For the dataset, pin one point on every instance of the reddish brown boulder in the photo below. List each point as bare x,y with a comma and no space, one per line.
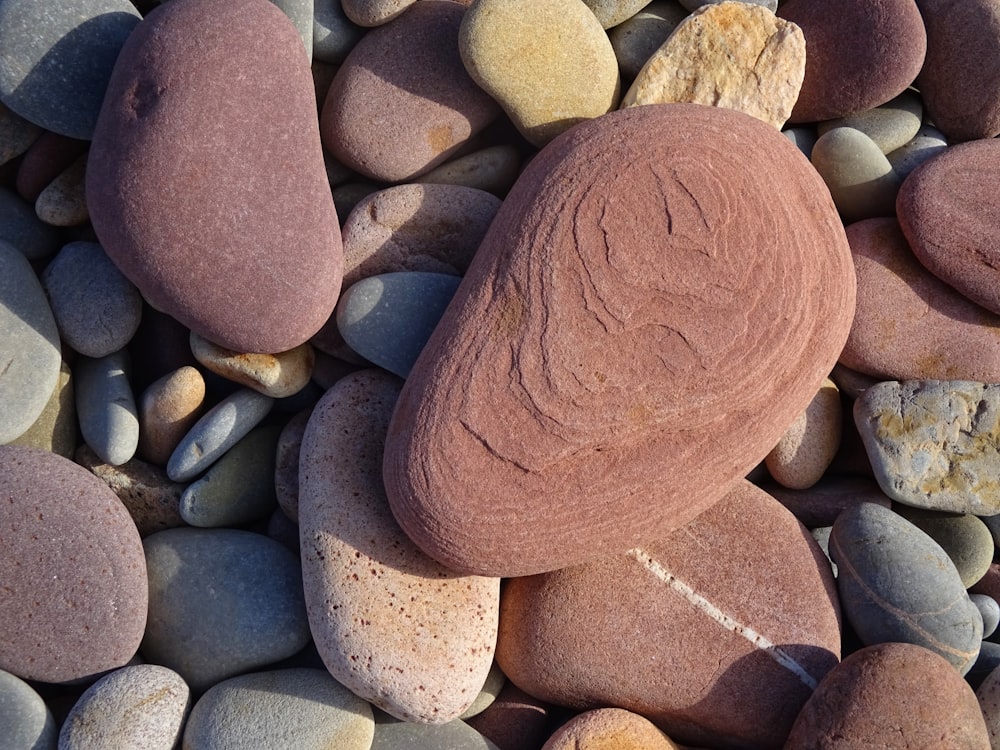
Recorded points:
643,320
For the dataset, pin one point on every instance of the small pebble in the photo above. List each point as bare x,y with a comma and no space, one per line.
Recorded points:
20,227
334,34
105,406
276,375
810,443
858,174
63,202
635,40
493,169
611,728
374,12
168,408
610,13
16,135
495,681
928,143
515,720
965,539
989,660
890,126
27,722
286,463
56,428
989,608
48,157
693,5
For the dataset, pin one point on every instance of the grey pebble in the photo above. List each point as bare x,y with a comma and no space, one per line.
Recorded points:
610,13
636,39
860,179
63,202
989,608
25,721
890,125
804,138
24,230
392,734
926,144
334,34
105,406
965,538
300,13
16,134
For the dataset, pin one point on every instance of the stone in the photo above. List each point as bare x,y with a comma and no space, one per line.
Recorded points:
988,697
965,539
105,406
879,697
804,138
75,590
221,602
392,734
276,375
820,504
806,450
989,659
576,403
862,53
960,78
610,13
989,608
908,324
160,346
858,174
934,444
636,39
286,463
16,135
63,202
890,126
951,219
897,584
29,340
334,35
58,58
21,228
732,54
137,706
548,63
407,76
300,13
96,308
55,430
49,156
515,720
374,12
266,709
561,632
989,584
495,681
394,626
493,169
609,728
267,246
928,143
692,5
168,408
26,720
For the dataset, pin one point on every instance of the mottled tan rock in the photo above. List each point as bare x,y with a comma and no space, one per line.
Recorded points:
168,408
608,729
374,12
275,375
63,203
731,54
493,169
809,444
56,428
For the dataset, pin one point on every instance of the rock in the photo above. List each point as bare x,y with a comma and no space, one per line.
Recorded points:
561,632
160,346
493,169
16,135
880,697
732,54
286,463
566,404
804,139
928,143
495,681
692,5
897,584
168,408
989,608
909,324
610,13
267,248
143,705
394,626
221,602
965,539
609,727
300,13
547,62
820,504
58,58
75,587
392,734
515,720
635,40
807,448
862,53
276,375
26,720
63,202
20,227
890,126
934,444
265,709
988,660
408,77
374,12
858,174
951,219
55,430
988,697
333,33
109,420
49,156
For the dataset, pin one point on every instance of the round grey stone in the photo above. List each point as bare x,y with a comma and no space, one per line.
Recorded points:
861,180
613,12
25,720
105,406
804,138
989,608
965,538
927,143
334,34
890,125
636,39
16,135
23,229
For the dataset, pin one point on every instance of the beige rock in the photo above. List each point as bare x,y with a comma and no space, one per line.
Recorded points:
609,729
55,429
167,409
275,375
64,202
809,444
731,54
492,169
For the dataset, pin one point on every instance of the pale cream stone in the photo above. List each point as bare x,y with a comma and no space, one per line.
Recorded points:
63,203
275,375
810,443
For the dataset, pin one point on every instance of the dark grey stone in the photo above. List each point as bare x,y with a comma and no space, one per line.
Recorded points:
23,229
105,406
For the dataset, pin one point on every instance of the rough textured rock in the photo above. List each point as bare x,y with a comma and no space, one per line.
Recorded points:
577,403
988,696
808,447
561,632
610,728
374,12
244,251
275,375
16,135
732,54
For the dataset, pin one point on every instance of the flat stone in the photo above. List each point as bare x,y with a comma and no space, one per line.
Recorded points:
890,126
897,584
493,169
393,625
20,227
567,403
277,375
926,144
635,40
820,504
732,54
105,406
71,562
58,58
56,428
392,734
267,247
858,174
806,450
609,727
63,202
934,444
168,408
547,62
16,135
334,34
610,13
965,539
26,720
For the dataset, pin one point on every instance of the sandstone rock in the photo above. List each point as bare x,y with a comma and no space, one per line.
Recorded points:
168,408
609,728
807,448
277,375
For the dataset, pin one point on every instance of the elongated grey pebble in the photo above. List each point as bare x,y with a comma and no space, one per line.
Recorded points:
16,134
105,406
25,720
965,539
63,202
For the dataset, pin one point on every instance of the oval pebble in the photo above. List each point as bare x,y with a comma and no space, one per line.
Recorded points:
609,728
820,504
16,135
858,174
221,602
374,12
635,40
989,608
806,450
48,157
890,126
965,539
109,419
392,734
610,13
63,202
139,707
334,34
27,722
493,169
926,144
277,375
515,720
168,408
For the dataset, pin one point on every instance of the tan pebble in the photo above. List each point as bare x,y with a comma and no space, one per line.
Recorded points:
64,202
167,409
55,429
609,729
374,12
733,55
492,169
275,375
809,444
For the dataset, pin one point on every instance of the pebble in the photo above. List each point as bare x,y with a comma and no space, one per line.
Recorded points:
75,588
168,408
140,707
16,135
63,202
300,13
495,681
548,401
374,12
96,308
965,539
928,143
610,13
221,602
989,608
267,709
804,139
276,375
693,5
732,54
820,504
407,76
269,276
58,59
55,429
561,632
890,126
20,227
394,626
392,734
928,607
26,720
609,728
933,444
636,39
878,697
334,35
858,174
515,720
548,63
988,697
105,406
49,156
989,659
806,450
286,463
493,169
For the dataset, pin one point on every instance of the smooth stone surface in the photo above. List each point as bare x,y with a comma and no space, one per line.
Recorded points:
635,40
73,572
374,12
267,246
548,63
890,126
63,202
55,430
858,174
20,227
549,405
732,54
928,143
406,76
168,408
610,728
950,216
269,709
988,697
300,13
934,444
27,722
610,13
29,340
277,375
989,659
908,324
16,135
808,447
861,53
495,681
142,706
897,584
392,734
515,720
286,463
334,35
96,308
965,539
221,602
693,5
493,169
58,58
989,608
820,504
561,632
105,406
880,697
218,430
393,625
804,139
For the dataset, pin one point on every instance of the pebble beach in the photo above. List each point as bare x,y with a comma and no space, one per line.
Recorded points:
499,374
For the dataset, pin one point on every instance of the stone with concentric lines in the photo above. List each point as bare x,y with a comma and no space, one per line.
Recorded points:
690,288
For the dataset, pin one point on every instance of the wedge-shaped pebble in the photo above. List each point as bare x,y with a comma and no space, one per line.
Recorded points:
275,375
